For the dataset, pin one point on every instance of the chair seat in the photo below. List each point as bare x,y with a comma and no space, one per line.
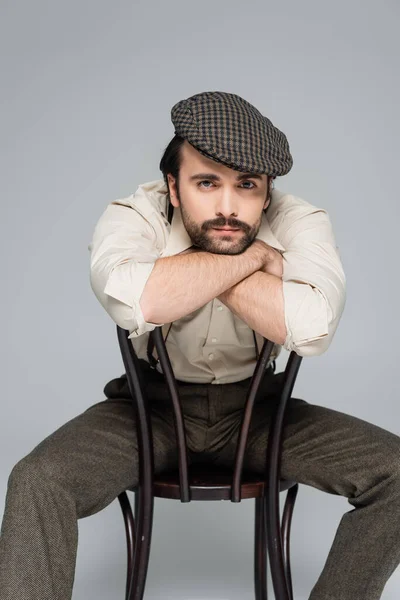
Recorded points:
208,482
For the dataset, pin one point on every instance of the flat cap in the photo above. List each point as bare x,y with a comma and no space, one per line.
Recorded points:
228,129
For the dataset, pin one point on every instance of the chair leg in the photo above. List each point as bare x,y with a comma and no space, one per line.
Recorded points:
260,551
136,513
144,507
130,535
286,523
274,537
138,540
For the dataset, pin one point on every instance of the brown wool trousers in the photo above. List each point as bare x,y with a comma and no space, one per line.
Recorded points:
82,467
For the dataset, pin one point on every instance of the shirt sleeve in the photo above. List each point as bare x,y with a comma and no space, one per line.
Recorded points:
314,283
123,250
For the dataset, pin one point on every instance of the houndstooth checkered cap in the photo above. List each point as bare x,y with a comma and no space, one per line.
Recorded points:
228,129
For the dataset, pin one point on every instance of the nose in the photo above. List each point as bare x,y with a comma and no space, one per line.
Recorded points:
226,206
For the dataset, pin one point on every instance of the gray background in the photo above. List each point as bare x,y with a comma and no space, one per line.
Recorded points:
87,89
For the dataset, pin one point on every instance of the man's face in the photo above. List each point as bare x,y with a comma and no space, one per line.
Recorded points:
210,196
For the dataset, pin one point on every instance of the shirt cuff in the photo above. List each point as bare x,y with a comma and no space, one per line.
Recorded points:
121,287
306,318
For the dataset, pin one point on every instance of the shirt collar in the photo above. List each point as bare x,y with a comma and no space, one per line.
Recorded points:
179,239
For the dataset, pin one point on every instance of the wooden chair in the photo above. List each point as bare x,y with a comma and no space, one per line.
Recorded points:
210,483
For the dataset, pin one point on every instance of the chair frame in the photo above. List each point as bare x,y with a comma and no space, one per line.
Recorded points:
272,537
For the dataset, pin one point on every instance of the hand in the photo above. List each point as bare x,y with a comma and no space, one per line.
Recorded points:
271,260
273,263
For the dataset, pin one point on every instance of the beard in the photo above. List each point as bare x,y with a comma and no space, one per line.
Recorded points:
204,237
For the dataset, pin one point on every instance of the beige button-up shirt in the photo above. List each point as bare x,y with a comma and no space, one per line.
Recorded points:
213,345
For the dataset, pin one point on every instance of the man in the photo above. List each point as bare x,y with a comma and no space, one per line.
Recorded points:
240,261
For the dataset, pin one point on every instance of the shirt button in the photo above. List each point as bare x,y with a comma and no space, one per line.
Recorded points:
219,307
214,339
211,356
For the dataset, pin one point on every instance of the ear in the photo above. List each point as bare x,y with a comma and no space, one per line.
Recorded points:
270,184
172,190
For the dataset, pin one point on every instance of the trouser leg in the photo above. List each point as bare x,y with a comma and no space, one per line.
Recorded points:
73,473
344,455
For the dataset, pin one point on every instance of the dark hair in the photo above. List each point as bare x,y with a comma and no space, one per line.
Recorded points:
171,161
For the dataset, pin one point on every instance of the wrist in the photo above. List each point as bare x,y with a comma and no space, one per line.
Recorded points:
273,263
258,251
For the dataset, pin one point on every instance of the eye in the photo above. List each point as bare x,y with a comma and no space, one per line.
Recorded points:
248,181
204,181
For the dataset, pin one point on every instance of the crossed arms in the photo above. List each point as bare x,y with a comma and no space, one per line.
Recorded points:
249,284
139,289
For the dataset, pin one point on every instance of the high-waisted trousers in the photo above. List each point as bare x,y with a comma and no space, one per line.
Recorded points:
84,465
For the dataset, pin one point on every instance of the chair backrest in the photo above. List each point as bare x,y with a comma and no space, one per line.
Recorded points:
144,431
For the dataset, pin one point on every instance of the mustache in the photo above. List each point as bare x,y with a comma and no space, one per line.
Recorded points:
229,224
